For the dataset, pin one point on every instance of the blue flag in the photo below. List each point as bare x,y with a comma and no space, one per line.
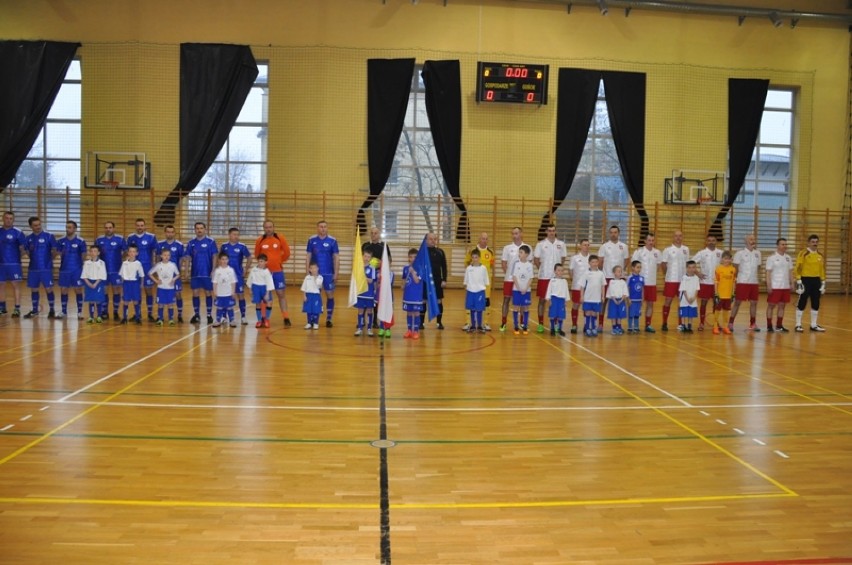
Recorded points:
424,270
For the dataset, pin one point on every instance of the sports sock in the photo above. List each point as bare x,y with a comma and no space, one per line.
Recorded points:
196,305
63,300
208,301
329,306
50,299
35,298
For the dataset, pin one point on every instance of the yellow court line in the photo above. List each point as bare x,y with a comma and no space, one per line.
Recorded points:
675,421
768,383
63,344
106,400
393,506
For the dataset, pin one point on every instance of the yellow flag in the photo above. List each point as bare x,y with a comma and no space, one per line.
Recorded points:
358,282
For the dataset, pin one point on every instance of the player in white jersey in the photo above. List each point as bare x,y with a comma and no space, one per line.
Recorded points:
674,260
507,261
612,253
747,262
548,253
707,260
578,265
594,290
779,282
650,257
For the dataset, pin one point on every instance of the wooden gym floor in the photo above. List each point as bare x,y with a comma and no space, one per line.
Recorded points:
125,444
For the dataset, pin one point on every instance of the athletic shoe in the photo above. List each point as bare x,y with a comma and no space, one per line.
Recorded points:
151,318
486,327
416,335
731,328
466,327
587,333
681,328
369,332
90,321
124,321
470,330
727,331
594,333
209,319
31,314
51,314
99,320
440,326
650,330
769,329
358,332
664,328
716,330
316,327
16,313
782,329
195,320
701,327
260,325
573,329
171,323
817,328
387,334
217,323
59,316
540,328
798,329
3,311
79,315
288,323
525,330
407,334
266,324
328,324
503,328
482,330
243,321
381,332
233,324
753,328
614,331
159,323
308,326
138,320
560,333
553,331
517,330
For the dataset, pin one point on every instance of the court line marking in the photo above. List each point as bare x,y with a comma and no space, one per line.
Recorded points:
61,345
393,506
764,381
294,407
60,427
669,417
128,366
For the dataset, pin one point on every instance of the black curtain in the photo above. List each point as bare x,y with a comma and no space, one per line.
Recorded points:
215,80
443,106
578,93
746,100
625,100
388,86
31,73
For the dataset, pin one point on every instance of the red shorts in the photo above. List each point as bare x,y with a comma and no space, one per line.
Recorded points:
671,289
575,297
779,296
747,291
541,288
507,288
724,304
649,293
706,291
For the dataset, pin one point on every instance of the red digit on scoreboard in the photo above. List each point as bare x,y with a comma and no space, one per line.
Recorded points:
530,96
489,95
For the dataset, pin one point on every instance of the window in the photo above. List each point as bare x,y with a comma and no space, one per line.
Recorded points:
767,183
598,180
53,162
416,176
237,178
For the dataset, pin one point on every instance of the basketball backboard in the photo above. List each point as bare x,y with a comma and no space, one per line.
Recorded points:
131,170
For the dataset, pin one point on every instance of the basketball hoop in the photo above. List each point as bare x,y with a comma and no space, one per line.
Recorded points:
110,185
704,200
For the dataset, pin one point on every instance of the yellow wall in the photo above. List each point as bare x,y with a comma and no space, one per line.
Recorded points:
317,50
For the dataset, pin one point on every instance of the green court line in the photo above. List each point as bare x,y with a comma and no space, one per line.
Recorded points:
419,441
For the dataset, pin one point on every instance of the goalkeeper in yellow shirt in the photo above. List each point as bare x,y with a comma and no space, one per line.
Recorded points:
810,282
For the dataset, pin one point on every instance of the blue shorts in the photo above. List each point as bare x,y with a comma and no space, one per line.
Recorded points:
616,311
114,279
40,278
178,286
201,283
313,304
328,282
131,291
11,272
70,279
592,307
363,302
94,294
413,307
557,308
225,302
240,287
258,293
635,309
521,298
278,279
474,301
165,296
688,311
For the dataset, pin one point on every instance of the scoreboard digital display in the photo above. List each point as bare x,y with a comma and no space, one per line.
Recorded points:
511,82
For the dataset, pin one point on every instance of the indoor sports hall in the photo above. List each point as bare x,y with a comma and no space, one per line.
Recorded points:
477,122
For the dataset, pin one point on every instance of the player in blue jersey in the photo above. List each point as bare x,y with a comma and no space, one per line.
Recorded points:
201,252
239,259
72,255
41,247
176,254
147,245
636,292
412,296
322,249
112,247
13,244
